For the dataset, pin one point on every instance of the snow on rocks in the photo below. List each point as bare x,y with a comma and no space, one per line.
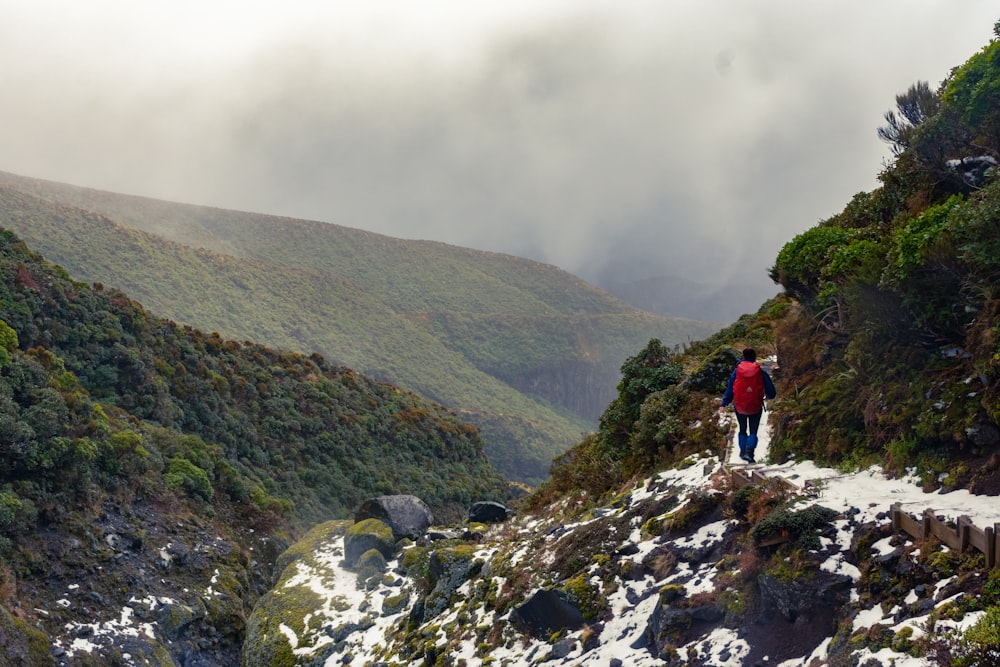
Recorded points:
654,565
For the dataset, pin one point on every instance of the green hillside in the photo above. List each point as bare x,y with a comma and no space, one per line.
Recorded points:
527,352
302,437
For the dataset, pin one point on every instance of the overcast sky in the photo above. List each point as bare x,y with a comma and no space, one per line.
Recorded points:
665,137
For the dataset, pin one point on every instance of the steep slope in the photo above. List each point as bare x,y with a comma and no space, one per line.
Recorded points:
527,352
893,341
245,299
150,474
612,563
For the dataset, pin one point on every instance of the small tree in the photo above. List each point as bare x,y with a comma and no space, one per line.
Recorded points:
652,370
913,107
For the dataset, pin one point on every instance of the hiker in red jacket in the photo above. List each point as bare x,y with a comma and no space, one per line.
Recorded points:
748,386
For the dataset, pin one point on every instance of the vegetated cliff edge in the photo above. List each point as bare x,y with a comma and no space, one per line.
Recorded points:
158,469
527,352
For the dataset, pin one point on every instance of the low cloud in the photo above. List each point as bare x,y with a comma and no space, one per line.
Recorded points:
618,141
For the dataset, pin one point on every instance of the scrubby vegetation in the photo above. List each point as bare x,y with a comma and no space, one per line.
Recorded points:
98,391
890,352
665,410
527,353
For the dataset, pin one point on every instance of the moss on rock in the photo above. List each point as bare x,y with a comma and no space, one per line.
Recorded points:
371,564
307,545
368,534
22,645
278,623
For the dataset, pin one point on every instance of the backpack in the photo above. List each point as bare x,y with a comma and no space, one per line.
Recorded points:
748,388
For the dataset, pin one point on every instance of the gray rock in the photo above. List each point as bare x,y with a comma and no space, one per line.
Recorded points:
407,516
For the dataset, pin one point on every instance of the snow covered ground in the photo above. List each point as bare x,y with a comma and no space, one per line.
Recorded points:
865,495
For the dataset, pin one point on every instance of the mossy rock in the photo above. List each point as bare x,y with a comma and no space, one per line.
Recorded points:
317,536
448,569
365,535
267,644
371,564
292,601
174,618
585,596
22,645
393,604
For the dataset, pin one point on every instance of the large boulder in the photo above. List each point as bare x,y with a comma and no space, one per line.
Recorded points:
407,516
487,511
798,598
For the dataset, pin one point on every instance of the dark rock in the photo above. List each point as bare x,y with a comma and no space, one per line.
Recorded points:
448,569
560,649
487,511
436,535
794,597
972,171
708,613
544,613
592,640
173,619
407,515
629,549
175,554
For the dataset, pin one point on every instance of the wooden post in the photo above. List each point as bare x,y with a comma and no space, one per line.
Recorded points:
964,528
991,545
928,517
895,511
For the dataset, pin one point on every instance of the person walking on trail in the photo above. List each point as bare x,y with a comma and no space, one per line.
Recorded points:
748,386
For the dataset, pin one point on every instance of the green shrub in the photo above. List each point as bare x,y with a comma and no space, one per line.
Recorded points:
10,505
800,263
801,526
182,474
980,644
8,343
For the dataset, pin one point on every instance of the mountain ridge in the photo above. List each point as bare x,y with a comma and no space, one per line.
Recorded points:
479,332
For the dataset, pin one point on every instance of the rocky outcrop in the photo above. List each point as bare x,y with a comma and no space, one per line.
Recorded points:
407,516
281,621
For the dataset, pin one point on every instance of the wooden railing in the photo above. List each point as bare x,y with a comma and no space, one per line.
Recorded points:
749,476
959,538
962,537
